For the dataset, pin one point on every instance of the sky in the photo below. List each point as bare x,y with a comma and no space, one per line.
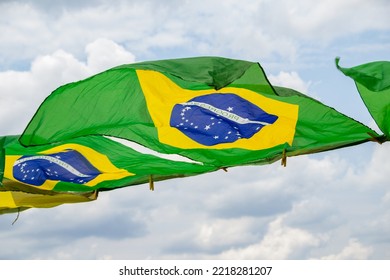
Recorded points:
331,205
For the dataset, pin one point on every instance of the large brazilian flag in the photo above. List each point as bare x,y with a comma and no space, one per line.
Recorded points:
213,110
157,120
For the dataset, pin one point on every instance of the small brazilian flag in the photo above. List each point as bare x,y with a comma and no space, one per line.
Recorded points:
89,163
74,171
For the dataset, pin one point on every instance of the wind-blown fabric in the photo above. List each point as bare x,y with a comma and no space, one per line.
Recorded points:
216,111
373,83
158,120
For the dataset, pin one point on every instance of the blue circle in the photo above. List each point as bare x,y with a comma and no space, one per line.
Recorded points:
219,118
68,166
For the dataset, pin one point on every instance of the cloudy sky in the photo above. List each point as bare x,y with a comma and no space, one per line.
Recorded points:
333,205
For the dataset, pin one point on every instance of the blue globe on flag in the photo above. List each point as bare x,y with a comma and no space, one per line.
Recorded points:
219,118
68,166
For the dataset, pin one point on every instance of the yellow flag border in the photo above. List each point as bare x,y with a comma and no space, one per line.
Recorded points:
162,94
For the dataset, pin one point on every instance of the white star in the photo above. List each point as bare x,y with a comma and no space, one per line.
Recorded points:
207,127
230,109
216,137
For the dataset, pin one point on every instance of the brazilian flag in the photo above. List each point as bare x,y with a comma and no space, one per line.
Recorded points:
74,171
90,163
217,111
158,120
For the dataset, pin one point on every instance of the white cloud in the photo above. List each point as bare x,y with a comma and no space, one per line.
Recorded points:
60,67
386,197
104,54
246,29
352,251
280,242
322,214
290,80
372,175
225,232
23,91
327,20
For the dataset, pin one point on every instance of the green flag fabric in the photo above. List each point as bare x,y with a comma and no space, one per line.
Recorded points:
90,163
97,162
152,121
217,111
112,102
74,171
373,83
